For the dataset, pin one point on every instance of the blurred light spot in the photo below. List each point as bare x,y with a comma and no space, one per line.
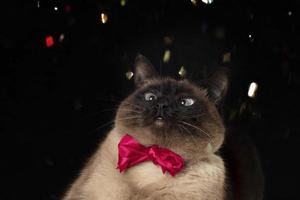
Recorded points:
77,104
55,8
38,4
129,75
123,2
251,16
251,38
194,2
252,90
61,37
243,107
182,72
67,8
104,18
220,33
207,1
290,13
49,41
49,162
167,56
168,40
227,57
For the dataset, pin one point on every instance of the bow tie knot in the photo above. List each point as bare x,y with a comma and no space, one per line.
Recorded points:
132,153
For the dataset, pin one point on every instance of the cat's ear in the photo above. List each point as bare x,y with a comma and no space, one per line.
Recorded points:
217,84
143,70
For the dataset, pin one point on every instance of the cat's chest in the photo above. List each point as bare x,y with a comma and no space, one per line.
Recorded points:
145,173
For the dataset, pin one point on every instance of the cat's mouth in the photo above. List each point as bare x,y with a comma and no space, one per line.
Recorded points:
159,122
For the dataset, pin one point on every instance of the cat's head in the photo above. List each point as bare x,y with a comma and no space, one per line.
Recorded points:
173,111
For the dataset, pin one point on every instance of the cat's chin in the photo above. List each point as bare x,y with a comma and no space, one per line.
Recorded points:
159,122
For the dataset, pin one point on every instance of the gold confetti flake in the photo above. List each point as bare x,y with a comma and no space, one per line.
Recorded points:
207,1
129,75
123,2
227,57
167,56
104,18
194,2
168,40
252,89
182,72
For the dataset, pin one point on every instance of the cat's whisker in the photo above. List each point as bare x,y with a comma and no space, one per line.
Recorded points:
117,107
126,109
130,110
105,124
119,102
125,118
113,121
193,138
111,110
193,116
136,106
186,123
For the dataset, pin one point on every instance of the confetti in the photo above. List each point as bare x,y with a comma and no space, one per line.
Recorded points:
252,89
49,41
168,40
67,8
194,2
61,37
182,72
220,33
104,18
207,1
251,38
123,2
167,56
129,75
226,57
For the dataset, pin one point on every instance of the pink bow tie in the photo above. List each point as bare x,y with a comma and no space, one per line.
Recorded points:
132,153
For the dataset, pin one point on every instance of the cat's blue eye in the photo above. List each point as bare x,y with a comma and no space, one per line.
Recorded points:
187,101
149,96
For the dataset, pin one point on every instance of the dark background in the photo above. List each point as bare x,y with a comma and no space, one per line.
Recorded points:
57,101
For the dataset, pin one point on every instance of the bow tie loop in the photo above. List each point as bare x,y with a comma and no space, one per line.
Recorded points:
132,153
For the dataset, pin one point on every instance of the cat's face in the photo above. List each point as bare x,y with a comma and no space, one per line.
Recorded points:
165,104
167,108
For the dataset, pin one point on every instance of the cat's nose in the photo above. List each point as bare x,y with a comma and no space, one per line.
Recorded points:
162,104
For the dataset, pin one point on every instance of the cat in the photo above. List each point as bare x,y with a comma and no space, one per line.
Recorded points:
175,114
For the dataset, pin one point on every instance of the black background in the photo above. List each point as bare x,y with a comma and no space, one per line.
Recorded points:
53,99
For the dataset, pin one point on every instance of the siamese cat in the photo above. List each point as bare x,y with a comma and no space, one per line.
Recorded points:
175,114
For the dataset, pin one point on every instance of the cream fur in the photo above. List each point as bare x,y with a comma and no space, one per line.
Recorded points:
100,180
